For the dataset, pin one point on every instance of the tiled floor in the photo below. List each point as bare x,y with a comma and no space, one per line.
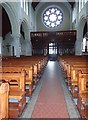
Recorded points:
53,100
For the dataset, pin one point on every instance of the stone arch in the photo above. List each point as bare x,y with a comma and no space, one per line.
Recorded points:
85,30
81,25
25,26
9,9
12,17
25,41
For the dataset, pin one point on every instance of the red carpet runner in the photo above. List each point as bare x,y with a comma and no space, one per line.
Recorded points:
51,102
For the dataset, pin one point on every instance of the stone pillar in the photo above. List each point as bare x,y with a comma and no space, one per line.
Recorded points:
28,48
77,13
0,46
17,45
78,47
28,43
71,19
30,11
87,25
80,5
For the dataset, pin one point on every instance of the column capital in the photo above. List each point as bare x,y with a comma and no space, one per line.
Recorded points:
16,36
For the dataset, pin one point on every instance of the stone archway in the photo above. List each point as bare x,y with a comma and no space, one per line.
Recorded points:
12,17
78,45
26,48
8,42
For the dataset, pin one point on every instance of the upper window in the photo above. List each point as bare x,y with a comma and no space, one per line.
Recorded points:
52,17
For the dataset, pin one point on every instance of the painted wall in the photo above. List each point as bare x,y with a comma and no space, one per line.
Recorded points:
65,25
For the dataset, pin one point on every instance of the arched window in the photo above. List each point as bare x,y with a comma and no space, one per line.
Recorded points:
52,17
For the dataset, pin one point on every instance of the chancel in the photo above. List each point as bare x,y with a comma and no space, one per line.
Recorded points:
44,59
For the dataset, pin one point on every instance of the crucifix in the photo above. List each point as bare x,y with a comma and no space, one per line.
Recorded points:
7,46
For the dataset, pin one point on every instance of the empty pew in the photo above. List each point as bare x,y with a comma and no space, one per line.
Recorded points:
17,100
70,63
74,78
31,75
33,66
83,94
4,95
18,69
76,72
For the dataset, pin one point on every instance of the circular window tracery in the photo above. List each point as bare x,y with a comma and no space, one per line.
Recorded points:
52,17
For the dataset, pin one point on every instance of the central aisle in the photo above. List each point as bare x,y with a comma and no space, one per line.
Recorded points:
51,101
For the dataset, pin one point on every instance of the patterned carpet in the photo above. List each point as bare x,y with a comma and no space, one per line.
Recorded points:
51,102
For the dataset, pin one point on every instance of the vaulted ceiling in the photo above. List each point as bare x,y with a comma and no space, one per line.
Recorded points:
36,2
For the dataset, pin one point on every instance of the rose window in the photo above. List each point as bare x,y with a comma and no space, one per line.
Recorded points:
52,17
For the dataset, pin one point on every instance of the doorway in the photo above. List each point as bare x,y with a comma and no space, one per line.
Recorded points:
53,51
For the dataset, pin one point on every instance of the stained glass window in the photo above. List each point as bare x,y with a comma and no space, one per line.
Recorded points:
52,17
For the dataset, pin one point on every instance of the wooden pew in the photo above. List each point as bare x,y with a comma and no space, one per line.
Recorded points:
15,92
31,75
33,69
74,78
4,90
83,94
79,80
71,63
18,69
13,66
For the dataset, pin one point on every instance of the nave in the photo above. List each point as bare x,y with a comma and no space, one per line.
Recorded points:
44,59
36,87
51,99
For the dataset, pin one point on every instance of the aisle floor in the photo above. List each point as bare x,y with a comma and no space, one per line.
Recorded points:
51,98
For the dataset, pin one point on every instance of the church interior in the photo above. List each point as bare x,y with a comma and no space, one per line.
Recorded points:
44,59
